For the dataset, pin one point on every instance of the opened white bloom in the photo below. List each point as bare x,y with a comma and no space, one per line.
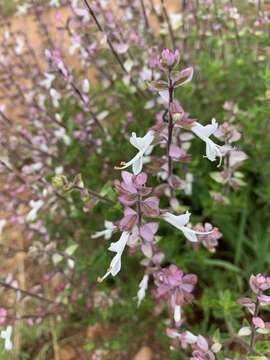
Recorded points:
204,132
86,86
188,184
107,232
118,247
61,134
35,205
56,96
22,9
244,331
180,222
143,285
177,313
47,82
55,3
6,335
143,144
19,45
3,223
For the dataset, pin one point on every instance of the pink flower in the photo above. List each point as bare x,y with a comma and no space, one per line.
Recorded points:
211,236
3,316
169,58
259,283
258,322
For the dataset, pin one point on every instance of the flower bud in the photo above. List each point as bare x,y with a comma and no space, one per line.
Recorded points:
169,58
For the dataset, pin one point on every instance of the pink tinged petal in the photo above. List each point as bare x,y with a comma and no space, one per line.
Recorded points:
236,157
264,299
129,187
150,206
183,76
3,316
127,177
140,179
121,48
148,231
258,322
127,222
173,334
147,250
202,343
126,201
175,151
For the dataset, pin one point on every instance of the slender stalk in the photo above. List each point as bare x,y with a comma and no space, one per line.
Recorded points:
144,15
139,210
95,194
253,328
117,57
170,127
26,293
168,21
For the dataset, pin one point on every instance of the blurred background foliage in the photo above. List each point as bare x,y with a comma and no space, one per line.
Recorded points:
242,80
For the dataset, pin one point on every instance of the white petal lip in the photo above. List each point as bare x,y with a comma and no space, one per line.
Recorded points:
204,133
6,335
107,232
142,144
142,289
179,221
118,247
177,313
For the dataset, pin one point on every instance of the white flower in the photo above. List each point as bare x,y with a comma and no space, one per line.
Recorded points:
19,45
204,132
22,9
177,313
188,184
85,86
143,285
62,135
56,96
35,205
107,232
54,3
6,335
143,144
3,223
117,247
179,221
47,82
244,331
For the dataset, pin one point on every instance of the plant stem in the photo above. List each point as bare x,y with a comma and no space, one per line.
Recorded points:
144,15
26,293
164,10
253,328
170,127
139,210
94,194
